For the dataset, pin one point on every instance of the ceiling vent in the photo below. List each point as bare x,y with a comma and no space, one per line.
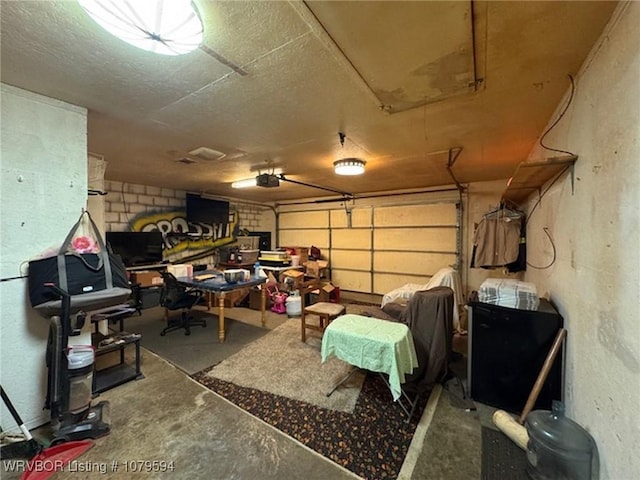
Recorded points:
208,154
186,160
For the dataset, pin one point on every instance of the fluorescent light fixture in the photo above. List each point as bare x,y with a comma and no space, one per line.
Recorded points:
349,166
167,27
246,183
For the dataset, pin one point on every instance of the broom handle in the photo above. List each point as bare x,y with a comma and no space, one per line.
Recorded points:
542,376
15,415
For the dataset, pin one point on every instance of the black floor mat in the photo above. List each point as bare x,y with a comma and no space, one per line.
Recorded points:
501,458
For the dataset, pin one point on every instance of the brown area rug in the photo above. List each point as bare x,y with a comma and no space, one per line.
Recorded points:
371,440
281,364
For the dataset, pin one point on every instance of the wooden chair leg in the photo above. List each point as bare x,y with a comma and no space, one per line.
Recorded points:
304,328
324,321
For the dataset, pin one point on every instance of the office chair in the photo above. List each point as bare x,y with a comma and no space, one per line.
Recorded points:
176,296
325,311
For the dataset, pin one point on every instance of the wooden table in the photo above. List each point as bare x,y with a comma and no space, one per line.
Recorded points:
217,287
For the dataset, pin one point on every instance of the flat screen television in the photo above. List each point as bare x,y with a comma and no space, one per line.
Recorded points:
136,248
205,210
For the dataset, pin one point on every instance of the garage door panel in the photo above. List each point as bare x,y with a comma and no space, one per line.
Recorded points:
415,239
319,219
358,260
384,247
353,281
414,263
433,214
384,283
301,237
360,217
351,238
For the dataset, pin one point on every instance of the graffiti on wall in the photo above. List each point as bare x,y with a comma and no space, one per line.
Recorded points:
183,238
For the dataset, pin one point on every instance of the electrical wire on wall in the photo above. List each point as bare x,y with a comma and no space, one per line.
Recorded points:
545,229
553,246
551,127
553,182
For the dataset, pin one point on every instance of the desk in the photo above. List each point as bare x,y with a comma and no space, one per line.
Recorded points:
217,287
373,344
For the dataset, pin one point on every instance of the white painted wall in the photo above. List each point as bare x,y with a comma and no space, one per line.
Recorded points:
43,188
595,280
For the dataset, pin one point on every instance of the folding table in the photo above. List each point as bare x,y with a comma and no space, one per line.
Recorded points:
373,344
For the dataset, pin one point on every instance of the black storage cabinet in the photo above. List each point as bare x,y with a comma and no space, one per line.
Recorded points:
507,348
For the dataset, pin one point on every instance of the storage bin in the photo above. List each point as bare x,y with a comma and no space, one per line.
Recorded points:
248,243
150,297
275,255
249,256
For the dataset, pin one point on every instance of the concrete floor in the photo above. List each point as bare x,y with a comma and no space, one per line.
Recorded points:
169,419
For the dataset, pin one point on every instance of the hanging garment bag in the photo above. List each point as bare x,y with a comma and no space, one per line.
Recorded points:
93,280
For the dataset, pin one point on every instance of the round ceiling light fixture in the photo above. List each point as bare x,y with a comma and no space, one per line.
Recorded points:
349,166
166,27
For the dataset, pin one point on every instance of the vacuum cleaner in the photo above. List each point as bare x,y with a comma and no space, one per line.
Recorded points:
70,380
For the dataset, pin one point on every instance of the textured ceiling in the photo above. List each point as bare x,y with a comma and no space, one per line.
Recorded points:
274,83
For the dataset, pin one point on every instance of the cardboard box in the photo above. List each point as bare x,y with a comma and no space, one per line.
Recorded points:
146,278
301,252
255,299
296,275
316,268
329,293
180,270
326,292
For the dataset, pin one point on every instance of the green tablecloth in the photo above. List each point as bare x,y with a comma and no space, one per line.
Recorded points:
373,344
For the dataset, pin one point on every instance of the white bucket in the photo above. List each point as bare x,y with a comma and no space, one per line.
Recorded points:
80,372
295,260
294,306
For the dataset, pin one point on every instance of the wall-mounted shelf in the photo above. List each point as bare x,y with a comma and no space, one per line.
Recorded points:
530,176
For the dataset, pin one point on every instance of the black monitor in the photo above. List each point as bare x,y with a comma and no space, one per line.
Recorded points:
136,248
205,210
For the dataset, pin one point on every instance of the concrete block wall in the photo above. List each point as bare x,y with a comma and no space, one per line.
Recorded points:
125,201
255,218
132,207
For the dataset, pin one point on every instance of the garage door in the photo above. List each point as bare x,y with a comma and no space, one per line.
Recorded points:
375,249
